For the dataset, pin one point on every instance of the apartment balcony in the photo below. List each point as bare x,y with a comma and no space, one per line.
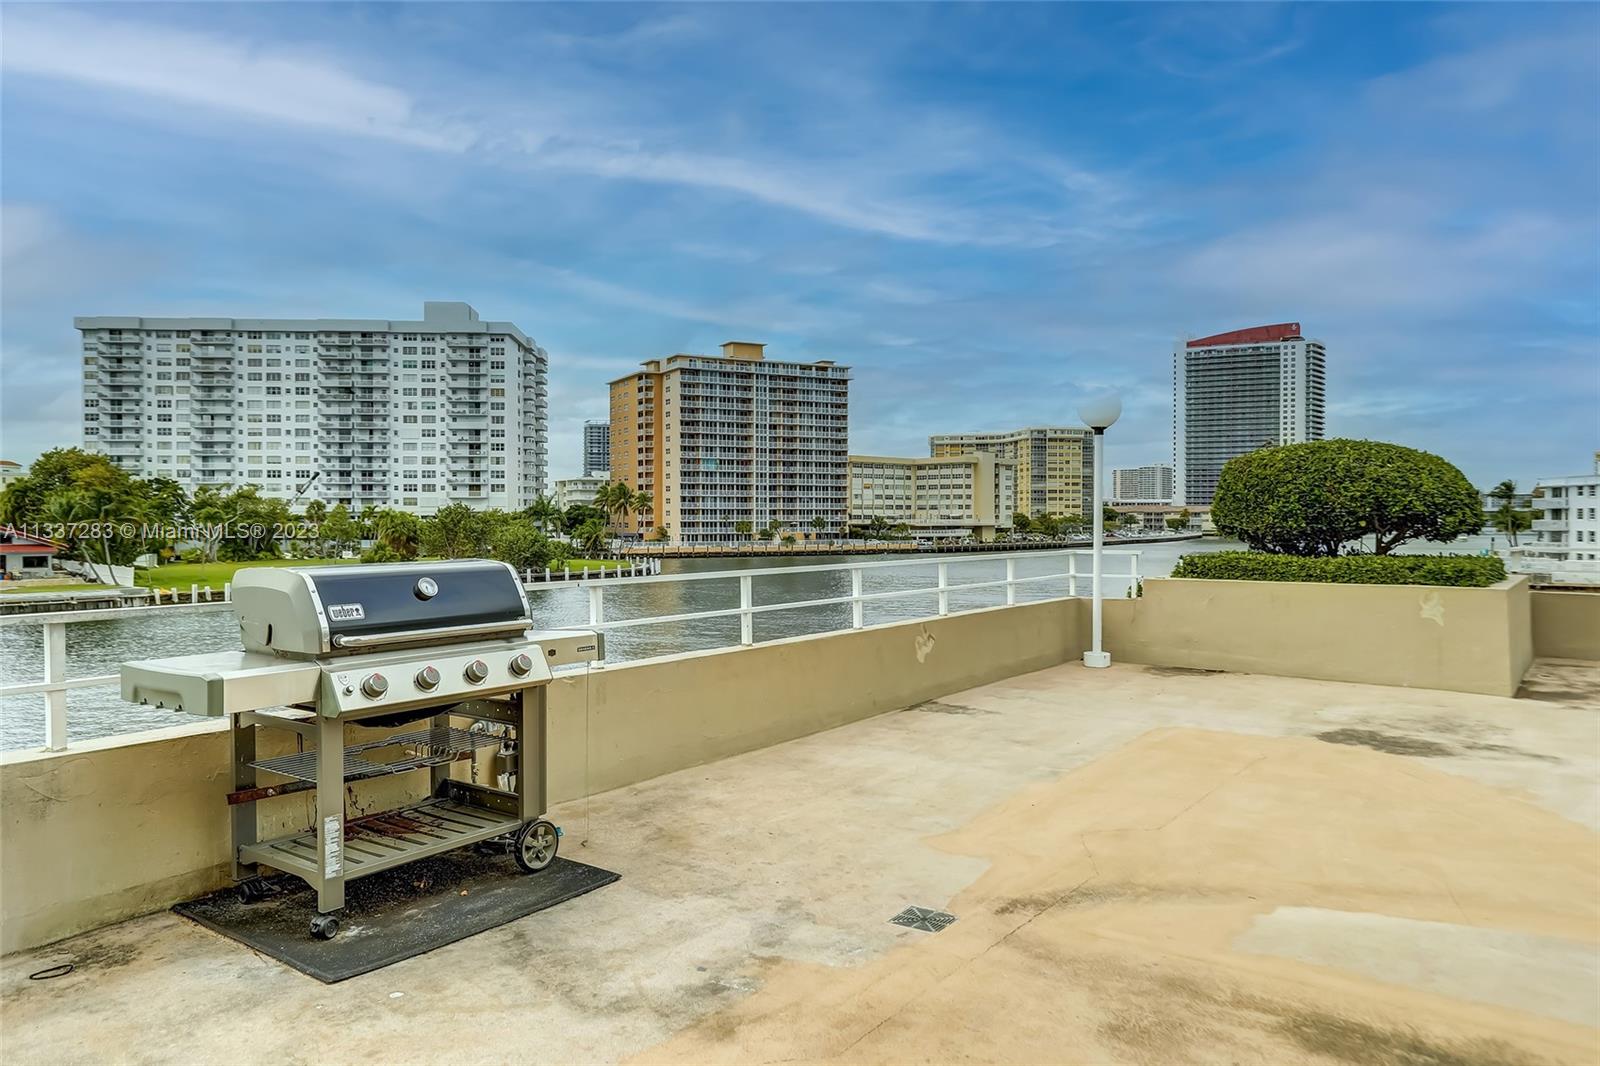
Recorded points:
1552,524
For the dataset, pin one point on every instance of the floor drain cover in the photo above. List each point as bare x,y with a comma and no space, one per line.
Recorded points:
923,919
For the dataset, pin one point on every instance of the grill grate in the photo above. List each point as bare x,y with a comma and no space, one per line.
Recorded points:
921,918
423,747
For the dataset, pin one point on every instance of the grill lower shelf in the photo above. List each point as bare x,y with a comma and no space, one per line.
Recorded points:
389,839
425,747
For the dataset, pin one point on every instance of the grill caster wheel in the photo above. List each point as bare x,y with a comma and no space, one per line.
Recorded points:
536,846
325,927
253,890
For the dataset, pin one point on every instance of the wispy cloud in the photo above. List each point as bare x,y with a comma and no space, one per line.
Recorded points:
273,84
299,86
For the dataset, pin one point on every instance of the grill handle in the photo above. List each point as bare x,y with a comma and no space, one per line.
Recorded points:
421,636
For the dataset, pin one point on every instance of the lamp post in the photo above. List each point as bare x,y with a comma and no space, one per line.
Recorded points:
1099,415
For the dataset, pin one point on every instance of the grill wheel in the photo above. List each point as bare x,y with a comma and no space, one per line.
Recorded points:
536,846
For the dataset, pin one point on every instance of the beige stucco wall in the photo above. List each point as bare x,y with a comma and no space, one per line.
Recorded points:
1566,625
115,828
1416,636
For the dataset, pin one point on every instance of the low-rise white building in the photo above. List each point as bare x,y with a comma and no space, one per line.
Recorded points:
937,497
1567,529
571,491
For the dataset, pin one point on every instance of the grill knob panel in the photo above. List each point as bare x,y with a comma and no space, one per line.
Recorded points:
476,671
427,679
373,686
520,665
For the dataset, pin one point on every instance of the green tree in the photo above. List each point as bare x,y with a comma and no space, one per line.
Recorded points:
591,536
616,500
1180,521
545,513
316,511
819,525
662,533
1315,498
517,542
1022,522
457,531
399,533
574,517
339,530
100,512
643,503
1506,517
744,529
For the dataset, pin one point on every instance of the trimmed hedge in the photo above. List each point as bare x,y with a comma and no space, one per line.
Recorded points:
1467,571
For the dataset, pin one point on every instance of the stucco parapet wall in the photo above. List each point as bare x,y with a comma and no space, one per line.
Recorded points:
1566,624
127,825
1415,636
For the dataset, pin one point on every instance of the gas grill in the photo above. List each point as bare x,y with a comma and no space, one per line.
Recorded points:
433,645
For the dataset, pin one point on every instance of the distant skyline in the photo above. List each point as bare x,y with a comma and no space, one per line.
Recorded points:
988,211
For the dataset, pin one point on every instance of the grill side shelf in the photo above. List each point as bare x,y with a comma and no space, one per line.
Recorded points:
420,748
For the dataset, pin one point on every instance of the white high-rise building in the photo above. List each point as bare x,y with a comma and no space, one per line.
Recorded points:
596,446
1235,392
1142,484
409,414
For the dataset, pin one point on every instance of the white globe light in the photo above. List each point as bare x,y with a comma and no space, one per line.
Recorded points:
1101,412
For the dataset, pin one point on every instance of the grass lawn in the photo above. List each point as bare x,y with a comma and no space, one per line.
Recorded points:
215,575
13,587
212,575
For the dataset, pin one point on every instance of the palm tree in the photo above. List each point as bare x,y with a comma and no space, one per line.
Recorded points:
744,529
591,536
616,500
544,513
819,524
643,503
1506,517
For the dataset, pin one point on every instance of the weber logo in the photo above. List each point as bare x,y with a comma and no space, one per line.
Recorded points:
346,612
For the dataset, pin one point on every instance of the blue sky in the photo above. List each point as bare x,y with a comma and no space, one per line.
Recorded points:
988,211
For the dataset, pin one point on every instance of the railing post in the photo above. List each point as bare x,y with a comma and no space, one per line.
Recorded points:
747,621
194,594
1072,573
1133,583
1011,582
597,610
857,620
944,584
227,592
55,672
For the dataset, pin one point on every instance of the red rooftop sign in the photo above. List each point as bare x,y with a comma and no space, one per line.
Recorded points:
1283,331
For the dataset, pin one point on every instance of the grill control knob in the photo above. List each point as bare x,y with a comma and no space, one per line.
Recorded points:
373,686
520,665
427,679
476,671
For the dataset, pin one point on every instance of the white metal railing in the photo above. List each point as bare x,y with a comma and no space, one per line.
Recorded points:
1119,581
1124,582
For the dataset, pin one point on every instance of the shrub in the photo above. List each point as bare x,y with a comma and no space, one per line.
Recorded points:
1314,498
1467,571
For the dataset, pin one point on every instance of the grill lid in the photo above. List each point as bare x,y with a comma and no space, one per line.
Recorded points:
322,610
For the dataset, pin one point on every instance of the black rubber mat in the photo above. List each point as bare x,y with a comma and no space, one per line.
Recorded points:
394,914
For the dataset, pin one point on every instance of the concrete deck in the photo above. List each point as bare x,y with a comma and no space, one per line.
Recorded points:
1148,866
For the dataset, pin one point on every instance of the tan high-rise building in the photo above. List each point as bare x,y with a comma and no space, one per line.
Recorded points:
956,496
1055,464
720,440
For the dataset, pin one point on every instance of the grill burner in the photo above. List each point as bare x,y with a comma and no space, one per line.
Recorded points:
379,645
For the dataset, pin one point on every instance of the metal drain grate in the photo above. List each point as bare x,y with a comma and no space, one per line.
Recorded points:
923,919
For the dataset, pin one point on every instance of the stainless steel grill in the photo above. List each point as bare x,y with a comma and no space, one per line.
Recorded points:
379,646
